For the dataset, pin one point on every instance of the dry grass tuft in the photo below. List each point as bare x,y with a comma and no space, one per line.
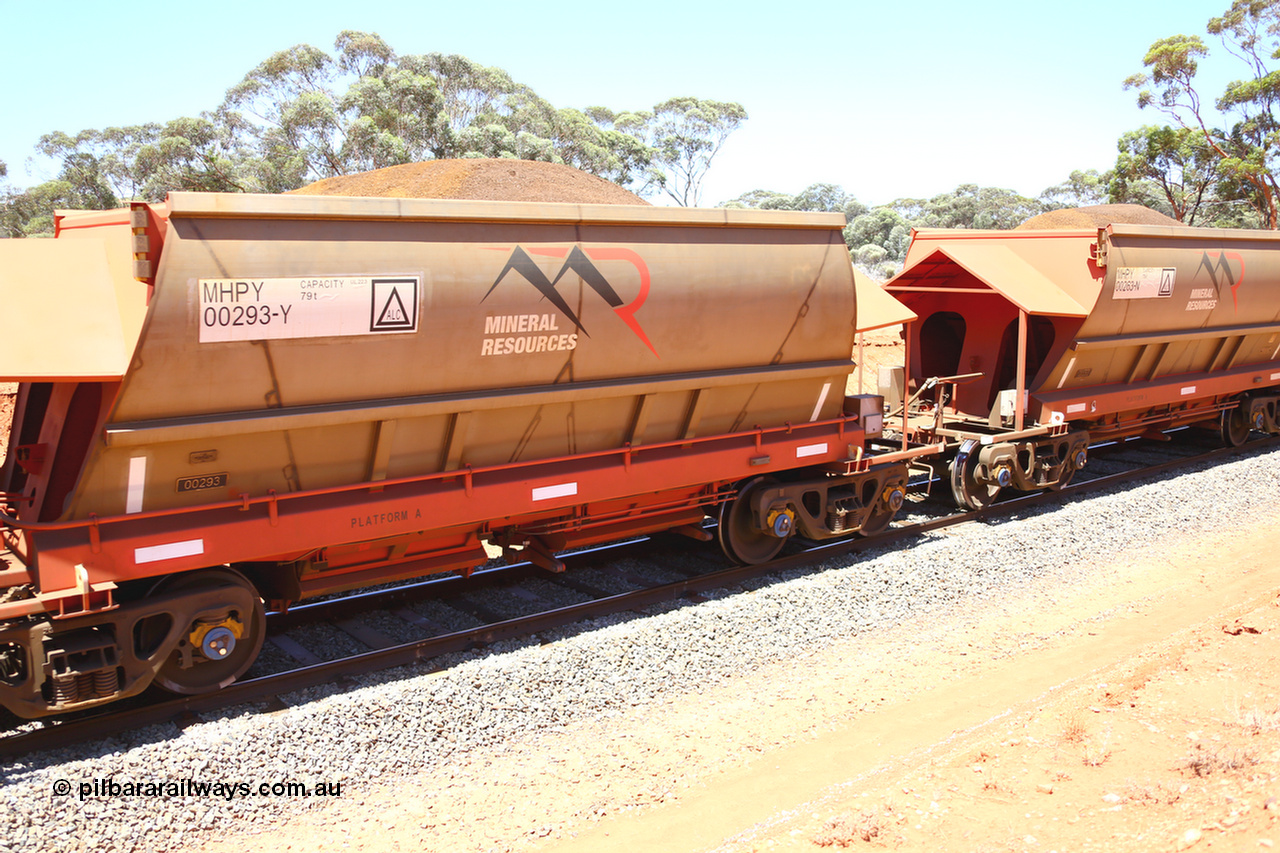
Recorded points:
847,829
1074,729
1202,762
1096,755
991,786
1152,793
1095,748
1255,720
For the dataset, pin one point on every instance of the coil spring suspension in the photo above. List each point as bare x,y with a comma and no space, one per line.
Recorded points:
106,682
77,687
838,512
69,688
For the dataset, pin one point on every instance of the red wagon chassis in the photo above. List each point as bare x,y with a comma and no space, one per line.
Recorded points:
436,519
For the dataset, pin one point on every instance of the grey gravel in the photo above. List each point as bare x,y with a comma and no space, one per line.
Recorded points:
399,722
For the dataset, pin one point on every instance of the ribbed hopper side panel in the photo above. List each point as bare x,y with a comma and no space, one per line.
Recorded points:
1177,301
529,332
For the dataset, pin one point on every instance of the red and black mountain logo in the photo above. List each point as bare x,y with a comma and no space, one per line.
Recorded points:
1218,266
579,261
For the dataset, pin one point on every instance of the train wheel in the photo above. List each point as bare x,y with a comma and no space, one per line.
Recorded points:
213,652
1234,427
740,539
967,491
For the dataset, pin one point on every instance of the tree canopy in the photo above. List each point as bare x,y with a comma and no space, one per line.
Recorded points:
826,198
304,114
685,135
1247,144
1176,161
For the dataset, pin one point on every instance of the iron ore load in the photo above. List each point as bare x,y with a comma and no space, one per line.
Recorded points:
1030,345
234,402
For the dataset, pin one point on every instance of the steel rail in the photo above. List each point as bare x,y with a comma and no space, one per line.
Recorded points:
361,600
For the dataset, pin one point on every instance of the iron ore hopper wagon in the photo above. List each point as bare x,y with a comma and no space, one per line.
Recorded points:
228,400
1030,345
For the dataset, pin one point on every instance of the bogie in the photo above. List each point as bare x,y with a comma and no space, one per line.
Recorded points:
755,524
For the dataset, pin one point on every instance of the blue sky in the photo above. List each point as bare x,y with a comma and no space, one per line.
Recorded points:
887,100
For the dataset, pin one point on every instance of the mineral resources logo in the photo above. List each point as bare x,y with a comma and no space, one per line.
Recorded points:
1218,267
507,334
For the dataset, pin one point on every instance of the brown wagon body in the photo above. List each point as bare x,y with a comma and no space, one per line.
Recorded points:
321,393
1047,338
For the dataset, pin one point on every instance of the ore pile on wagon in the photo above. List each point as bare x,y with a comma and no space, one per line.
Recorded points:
478,180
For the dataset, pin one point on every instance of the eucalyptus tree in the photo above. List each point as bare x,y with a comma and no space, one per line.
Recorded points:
587,140
313,115
298,105
1082,187
825,197
685,133
1247,142
303,114
1175,164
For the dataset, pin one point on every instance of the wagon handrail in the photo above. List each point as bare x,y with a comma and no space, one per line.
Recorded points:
932,382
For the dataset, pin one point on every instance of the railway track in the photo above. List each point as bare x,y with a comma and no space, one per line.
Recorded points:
359,621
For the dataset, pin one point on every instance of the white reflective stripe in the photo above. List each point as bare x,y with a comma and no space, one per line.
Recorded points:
1190,389
137,482
1275,376
563,490
1076,407
172,550
1067,372
811,450
822,398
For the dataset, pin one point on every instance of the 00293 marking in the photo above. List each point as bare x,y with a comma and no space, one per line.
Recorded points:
202,481
245,315
279,308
